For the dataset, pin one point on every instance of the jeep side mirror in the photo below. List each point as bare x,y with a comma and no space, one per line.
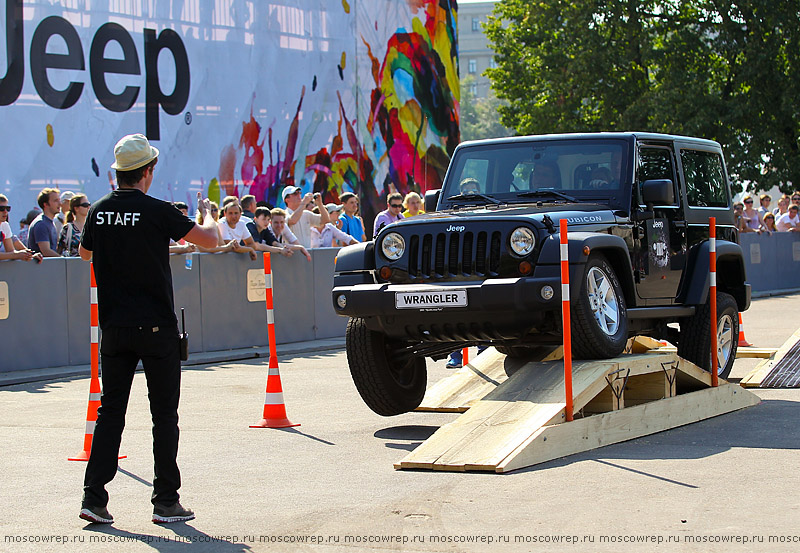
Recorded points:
431,199
658,192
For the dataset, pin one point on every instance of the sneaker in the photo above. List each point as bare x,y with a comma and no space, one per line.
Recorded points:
453,364
100,515
173,513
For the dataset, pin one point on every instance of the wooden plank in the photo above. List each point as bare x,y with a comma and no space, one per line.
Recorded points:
741,353
755,353
541,379
760,372
476,379
458,392
589,433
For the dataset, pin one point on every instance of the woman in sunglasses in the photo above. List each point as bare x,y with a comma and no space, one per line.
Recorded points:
10,246
70,237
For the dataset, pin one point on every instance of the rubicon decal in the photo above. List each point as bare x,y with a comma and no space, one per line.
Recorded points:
99,65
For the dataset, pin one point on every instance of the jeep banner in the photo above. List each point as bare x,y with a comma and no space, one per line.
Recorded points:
240,96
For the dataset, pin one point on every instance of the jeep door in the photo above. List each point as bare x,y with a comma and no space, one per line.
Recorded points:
660,250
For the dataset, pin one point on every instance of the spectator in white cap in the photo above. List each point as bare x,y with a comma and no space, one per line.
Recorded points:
300,218
61,216
327,235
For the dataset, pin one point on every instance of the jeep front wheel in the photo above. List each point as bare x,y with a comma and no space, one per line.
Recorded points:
388,382
599,318
695,339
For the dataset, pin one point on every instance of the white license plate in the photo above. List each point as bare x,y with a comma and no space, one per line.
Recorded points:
426,299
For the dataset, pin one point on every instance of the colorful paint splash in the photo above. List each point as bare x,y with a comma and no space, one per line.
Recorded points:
412,125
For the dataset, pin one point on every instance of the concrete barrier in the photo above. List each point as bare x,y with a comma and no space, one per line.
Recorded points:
772,260
44,316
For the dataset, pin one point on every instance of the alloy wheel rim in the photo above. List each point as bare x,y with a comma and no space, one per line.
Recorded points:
603,300
724,341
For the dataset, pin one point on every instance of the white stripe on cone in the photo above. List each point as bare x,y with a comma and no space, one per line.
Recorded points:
273,398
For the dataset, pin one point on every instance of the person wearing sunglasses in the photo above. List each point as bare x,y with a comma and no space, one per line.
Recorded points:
70,237
10,246
752,218
392,213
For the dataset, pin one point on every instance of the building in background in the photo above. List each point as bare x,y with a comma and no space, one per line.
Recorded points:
474,53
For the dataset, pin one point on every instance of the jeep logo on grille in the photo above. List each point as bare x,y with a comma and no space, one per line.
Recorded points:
451,228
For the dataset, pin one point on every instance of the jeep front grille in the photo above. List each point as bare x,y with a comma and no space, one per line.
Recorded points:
453,254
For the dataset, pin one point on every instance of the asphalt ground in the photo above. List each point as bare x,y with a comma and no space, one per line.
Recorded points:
725,484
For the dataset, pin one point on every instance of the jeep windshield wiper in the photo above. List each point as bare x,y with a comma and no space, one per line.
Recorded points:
544,193
474,196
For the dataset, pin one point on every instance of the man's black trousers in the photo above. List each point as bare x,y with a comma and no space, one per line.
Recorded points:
121,349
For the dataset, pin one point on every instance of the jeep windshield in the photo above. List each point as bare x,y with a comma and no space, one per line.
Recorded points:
541,170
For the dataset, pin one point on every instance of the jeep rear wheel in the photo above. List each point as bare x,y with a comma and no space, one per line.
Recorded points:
388,383
695,339
599,317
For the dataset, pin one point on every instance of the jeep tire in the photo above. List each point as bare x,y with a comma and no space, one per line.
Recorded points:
599,317
387,386
695,338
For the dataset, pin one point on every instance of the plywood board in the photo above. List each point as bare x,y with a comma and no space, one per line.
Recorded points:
459,391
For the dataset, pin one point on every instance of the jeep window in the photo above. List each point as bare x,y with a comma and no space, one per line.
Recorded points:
655,163
579,168
705,179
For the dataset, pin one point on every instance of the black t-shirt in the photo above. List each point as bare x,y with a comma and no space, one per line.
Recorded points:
129,233
266,236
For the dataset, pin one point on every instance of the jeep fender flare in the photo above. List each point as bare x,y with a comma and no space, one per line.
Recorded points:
612,246
731,274
357,258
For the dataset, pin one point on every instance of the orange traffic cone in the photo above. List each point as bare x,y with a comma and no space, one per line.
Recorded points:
94,383
91,417
742,341
274,408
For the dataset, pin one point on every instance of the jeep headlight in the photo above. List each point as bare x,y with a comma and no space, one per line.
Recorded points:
393,246
522,241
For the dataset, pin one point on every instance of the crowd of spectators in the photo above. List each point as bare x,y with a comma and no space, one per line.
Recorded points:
246,226
784,218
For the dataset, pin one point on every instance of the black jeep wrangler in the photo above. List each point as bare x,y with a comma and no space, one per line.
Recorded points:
482,265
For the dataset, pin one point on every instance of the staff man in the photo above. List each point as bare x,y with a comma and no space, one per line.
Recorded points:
127,235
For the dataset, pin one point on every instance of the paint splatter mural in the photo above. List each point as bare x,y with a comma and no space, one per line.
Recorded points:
401,137
353,96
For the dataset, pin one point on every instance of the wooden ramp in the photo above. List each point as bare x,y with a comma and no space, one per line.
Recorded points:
781,370
460,391
521,421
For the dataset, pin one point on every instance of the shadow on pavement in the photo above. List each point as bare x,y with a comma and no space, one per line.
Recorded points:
185,538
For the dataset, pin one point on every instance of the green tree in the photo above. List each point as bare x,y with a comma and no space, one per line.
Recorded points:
724,70
479,117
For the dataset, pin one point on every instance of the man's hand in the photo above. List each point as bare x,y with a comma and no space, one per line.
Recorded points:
286,252
203,205
25,255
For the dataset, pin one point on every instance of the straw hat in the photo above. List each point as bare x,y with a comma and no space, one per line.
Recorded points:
133,151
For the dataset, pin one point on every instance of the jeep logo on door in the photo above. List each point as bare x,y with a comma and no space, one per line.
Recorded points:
42,60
